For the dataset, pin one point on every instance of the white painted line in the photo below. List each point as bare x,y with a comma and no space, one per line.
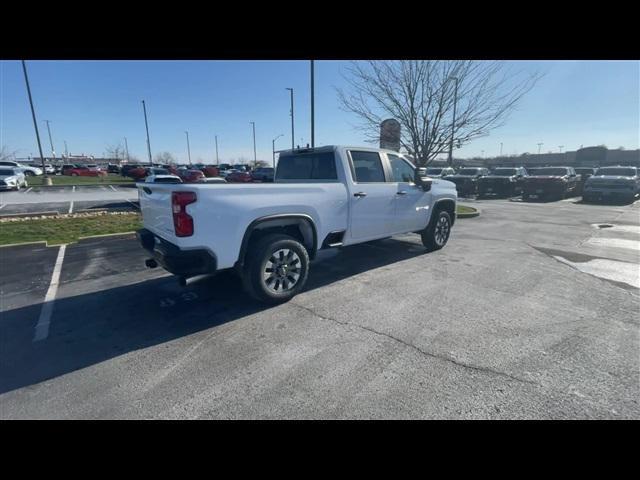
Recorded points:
113,188
74,189
2,206
616,243
624,272
42,328
71,207
28,190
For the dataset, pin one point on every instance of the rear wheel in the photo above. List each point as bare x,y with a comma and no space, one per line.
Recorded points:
435,236
276,268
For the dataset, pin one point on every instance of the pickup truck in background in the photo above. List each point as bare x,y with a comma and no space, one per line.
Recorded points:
324,197
502,181
612,183
550,183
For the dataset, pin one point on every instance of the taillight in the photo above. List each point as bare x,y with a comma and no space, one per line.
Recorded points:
182,221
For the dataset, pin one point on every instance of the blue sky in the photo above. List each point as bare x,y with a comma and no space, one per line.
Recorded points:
92,104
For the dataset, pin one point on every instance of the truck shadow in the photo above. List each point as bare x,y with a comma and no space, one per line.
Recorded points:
91,328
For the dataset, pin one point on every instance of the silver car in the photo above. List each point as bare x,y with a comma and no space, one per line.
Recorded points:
615,183
12,179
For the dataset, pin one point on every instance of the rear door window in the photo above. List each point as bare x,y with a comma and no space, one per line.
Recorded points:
307,166
367,167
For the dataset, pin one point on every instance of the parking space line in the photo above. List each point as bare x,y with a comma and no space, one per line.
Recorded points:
42,327
74,189
113,188
2,206
71,207
28,190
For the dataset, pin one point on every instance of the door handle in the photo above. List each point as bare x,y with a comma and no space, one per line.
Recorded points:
360,194
401,192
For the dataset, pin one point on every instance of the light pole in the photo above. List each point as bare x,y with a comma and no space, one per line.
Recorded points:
273,148
292,130
500,148
217,159
560,147
46,179
146,124
539,147
453,124
255,160
313,142
188,147
66,150
53,150
126,148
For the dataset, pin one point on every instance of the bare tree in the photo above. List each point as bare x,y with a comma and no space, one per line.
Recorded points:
165,157
116,151
420,95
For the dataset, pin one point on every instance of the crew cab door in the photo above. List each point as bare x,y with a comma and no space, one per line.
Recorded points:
411,202
372,199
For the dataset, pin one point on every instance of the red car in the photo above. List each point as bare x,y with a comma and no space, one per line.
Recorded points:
84,171
210,171
190,176
239,177
137,173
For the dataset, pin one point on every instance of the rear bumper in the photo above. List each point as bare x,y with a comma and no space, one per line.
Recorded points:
486,189
185,263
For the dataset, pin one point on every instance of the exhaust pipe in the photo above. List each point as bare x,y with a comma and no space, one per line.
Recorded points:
150,263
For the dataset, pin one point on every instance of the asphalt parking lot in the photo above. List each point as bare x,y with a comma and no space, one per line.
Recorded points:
69,199
531,311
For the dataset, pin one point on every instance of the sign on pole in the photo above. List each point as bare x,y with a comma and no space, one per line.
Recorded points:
390,134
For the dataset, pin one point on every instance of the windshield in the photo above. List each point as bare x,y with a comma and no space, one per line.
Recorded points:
551,171
504,172
618,172
469,171
6,172
434,171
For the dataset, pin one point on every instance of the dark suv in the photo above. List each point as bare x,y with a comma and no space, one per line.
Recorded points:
551,182
502,182
466,179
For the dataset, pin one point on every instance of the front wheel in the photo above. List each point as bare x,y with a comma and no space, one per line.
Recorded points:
276,269
29,173
435,236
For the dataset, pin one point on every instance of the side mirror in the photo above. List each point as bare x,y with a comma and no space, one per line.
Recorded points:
421,179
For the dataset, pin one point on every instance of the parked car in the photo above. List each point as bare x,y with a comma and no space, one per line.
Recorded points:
113,168
140,173
168,178
12,178
439,172
49,169
583,175
614,183
124,169
263,174
550,182
66,168
85,171
212,180
270,232
239,177
242,167
502,182
466,179
210,171
228,171
28,170
190,175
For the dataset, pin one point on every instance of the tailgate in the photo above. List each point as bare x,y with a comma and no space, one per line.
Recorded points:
155,205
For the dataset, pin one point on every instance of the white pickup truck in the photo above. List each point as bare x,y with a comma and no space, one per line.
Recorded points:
324,197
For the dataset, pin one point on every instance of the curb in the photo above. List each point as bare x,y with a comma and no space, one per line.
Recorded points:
469,214
106,235
41,242
31,214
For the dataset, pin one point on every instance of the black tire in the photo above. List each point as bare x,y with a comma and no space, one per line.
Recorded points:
28,173
433,238
257,263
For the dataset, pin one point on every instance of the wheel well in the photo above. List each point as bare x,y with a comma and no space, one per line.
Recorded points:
300,228
448,206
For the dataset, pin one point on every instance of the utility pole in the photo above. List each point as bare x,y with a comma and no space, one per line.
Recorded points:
217,159
539,147
292,130
273,148
66,150
146,124
255,160
560,147
126,148
53,150
46,178
500,148
188,147
453,124
312,108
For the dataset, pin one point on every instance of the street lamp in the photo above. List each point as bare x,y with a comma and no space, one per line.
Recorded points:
146,125
217,159
313,136
255,160
126,148
273,148
455,102
560,147
292,131
53,150
188,147
539,147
